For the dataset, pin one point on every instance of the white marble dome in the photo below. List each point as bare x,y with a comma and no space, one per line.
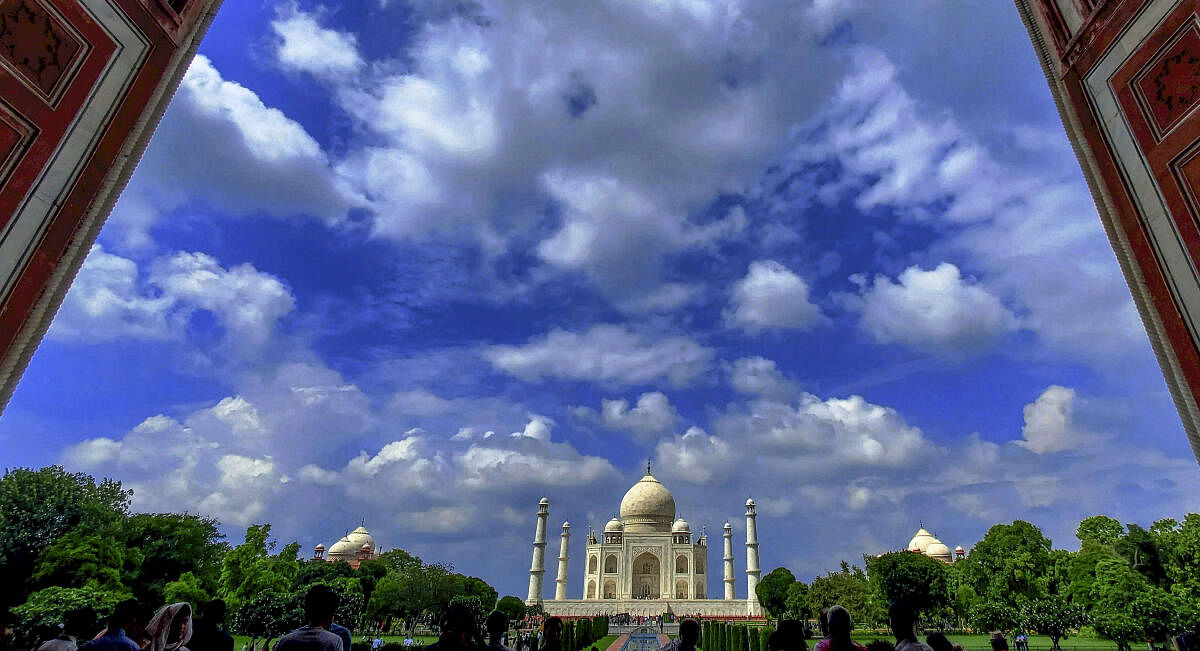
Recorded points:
648,507
921,541
614,525
939,551
681,526
352,543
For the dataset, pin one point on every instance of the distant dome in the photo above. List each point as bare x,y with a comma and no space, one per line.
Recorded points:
544,500
939,551
959,550
727,526
750,502
680,526
921,541
614,525
352,543
648,507
320,547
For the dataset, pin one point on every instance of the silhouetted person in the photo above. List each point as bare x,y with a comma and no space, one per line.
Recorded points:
123,618
689,635
209,634
496,625
552,634
78,623
460,631
880,645
788,636
903,619
342,632
999,641
939,642
320,604
838,626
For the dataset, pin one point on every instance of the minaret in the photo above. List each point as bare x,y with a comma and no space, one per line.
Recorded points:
752,569
560,590
538,569
728,562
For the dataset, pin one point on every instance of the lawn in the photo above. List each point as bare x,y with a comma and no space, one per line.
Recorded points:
603,643
393,641
981,643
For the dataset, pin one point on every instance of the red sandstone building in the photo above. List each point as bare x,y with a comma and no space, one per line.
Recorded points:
83,84
1126,77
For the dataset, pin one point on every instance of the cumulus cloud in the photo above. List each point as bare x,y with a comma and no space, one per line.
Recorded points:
251,159
1035,238
303,45
934,311
605,354
1050,422
694,456
760,377
771,296
651,416
111,299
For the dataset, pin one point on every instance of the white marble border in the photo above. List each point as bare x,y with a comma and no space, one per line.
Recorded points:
1178,267
33,216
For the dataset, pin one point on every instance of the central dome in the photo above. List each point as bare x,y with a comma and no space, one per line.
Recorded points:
648,507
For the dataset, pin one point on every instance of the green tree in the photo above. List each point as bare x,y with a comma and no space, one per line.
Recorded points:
772,591
1099,529
39,506
47,606
249,570
1180,543
1160,613
796,604
1120,627
471,586
1010,565
1142,550
1054,617
512,607
162,546
991,616
849,588
268,614
915,578
82,558
186,588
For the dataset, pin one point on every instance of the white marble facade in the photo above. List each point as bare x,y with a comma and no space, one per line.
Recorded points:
645,562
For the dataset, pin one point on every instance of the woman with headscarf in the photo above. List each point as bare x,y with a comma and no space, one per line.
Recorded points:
170,628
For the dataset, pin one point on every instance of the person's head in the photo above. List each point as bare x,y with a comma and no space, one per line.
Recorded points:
837,619
79,622
125,615
496,624
902,619
552,629
459,627
213,612
180,629
788,636
939,642
999,641
689,632
320,604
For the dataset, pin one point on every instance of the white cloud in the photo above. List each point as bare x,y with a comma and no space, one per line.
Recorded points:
760,377
606,354
1050,422
303,45
251,159
771,296
934,311
109,300
694,457
651,416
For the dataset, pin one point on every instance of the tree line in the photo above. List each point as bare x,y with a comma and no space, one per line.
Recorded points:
69,543
1125,583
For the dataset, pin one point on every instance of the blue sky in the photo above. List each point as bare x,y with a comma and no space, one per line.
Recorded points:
423,266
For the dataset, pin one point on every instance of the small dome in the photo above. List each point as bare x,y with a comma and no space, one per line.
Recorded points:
750,502
648,507
939,551
921,541
544,500
614,525
728,526
959,550
320,547
680,526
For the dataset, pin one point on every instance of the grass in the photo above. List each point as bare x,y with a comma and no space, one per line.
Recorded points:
393,641
605,642
981,643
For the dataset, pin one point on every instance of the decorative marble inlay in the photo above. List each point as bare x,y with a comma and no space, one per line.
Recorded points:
1171,84
37,44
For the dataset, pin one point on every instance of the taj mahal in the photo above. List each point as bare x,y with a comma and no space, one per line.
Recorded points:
646,562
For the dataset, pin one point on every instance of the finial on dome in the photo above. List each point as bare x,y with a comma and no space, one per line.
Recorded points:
648,460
